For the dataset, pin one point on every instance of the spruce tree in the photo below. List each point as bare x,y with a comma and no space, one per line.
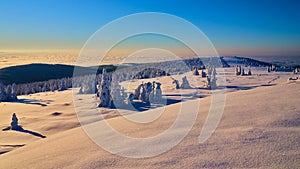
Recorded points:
158,92
8,92
195,71
116,99
249,72
176,84
185,83
137,92
2,93
211,77
143,96
14,92
203,74
104,92
130,98
14,123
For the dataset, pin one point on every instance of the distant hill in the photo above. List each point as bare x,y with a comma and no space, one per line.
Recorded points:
235,60
41,72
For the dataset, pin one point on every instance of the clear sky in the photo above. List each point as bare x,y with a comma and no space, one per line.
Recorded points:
235,27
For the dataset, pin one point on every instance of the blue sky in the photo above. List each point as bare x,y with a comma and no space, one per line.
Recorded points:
235,27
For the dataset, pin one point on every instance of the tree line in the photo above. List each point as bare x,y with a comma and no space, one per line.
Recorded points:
88,83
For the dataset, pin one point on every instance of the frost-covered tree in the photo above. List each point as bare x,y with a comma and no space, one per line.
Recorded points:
238,70
149,89
273,68
14,92
195,71
211,77
14,125
137,91
176,82
8,92
130,98
158,92
243,72
53,85
2,93
185,83
104,93
62,85
143,95
152,96
152,93
203,74
124,95
249,72
296,70
116,98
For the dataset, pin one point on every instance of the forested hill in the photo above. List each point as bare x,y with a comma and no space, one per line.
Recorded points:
41,72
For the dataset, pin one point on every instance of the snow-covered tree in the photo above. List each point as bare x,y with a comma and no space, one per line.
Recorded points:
104,93
137,91
195,71
14,123
130,98
62,85
243,72
158,92
8,92
124,95
149,89
238,70
116,98
185,83
211,77
143,95
2,93
176,84
249,72
14,92
203,74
